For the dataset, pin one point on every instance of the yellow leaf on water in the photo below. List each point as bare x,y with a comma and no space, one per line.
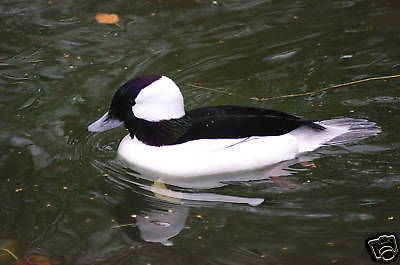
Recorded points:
107,18
161,191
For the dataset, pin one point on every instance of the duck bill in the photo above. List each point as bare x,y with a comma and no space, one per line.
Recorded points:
104,123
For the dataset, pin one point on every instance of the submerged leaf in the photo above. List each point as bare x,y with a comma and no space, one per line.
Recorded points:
35,260
107,18
7,247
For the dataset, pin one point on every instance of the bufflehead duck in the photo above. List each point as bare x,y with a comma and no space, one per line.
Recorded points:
166,141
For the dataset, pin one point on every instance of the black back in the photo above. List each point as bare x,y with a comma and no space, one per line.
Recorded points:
240,122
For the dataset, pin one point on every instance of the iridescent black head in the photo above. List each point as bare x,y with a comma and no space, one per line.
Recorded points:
121,105
149,98
124,98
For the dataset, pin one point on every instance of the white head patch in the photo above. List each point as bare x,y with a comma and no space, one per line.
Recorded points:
161,100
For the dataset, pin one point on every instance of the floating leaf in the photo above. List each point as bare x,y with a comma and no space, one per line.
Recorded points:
107,18
35,260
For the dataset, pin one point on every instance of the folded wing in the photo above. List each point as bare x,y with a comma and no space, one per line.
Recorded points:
240,122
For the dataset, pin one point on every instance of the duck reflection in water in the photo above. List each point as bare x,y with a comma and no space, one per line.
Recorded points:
152,220
160,217
162,214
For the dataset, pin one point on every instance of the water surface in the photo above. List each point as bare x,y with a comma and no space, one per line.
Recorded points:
64,196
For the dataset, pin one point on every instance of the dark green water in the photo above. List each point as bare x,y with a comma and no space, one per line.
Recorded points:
61,190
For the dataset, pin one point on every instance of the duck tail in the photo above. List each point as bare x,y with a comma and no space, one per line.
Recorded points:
352,130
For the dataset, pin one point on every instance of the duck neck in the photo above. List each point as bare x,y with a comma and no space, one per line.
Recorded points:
164,132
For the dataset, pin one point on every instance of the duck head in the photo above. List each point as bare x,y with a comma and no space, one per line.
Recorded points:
146,99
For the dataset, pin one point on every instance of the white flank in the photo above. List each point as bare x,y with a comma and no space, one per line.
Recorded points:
207,157
161,100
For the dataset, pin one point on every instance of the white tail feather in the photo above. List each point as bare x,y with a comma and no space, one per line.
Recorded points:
355,130
337,132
